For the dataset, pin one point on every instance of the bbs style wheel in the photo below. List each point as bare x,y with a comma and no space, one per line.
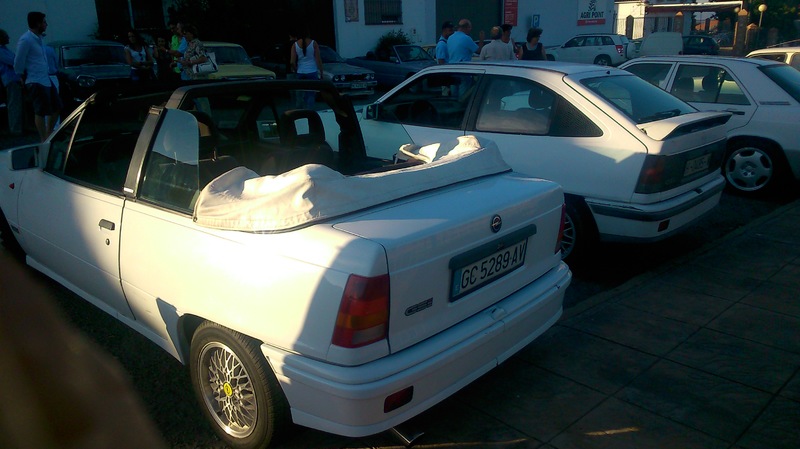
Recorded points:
236,388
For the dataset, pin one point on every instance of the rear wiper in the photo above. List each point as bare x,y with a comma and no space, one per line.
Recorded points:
660,115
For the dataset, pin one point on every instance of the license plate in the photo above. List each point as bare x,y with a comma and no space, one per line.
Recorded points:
696,165
358,85
477,274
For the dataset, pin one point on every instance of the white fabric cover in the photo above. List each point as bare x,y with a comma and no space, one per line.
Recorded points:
242,200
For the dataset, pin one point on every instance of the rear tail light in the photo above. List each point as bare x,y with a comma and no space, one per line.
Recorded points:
363,313
620,49
651,178
561,228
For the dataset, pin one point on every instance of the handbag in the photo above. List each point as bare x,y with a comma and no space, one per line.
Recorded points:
209,66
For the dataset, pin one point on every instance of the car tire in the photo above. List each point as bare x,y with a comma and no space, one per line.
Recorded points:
753,167
8,237
236,388
579,231
602,60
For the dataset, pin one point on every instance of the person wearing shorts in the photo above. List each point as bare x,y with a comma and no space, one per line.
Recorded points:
31,64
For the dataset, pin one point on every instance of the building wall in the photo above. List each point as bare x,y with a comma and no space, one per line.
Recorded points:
73,19
559,19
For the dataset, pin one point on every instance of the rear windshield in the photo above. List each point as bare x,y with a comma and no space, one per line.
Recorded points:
636,98
787,77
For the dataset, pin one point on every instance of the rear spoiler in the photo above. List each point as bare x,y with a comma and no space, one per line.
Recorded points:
684,124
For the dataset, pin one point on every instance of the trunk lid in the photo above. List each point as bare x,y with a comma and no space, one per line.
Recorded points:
428,246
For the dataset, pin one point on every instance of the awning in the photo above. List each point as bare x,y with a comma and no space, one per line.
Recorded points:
694,7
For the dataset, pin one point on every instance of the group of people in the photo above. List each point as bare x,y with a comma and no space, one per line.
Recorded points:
32,69
456,45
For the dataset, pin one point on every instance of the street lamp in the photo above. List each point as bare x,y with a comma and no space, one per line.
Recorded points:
761,8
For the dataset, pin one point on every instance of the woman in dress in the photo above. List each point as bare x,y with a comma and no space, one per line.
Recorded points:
139,57
195,52
533,50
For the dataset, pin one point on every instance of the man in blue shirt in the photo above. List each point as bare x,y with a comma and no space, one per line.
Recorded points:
32,66
441,46
13,85
460,45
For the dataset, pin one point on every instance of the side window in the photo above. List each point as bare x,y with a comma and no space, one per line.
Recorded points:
607,40
574,42
795,62
439,100
707,84
172,176
96,148
655,74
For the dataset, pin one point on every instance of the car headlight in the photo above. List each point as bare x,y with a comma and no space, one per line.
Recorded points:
337,77
370,76
86,81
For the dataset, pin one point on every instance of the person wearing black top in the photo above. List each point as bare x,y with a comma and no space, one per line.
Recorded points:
533,50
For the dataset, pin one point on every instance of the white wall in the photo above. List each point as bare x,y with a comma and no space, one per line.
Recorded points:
73,19
558,20
356,38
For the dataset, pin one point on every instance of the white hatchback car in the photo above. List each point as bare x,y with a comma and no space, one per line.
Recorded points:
636,164
789,55
763,96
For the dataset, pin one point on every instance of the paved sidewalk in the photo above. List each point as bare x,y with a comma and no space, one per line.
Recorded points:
703,353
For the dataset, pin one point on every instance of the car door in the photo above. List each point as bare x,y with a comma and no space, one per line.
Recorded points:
431,108
572,50
713,88
70,212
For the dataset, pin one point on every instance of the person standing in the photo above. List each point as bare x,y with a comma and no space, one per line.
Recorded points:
497,50
13,85
533,50
195,51
507,38
441,45
163,60
139,57
460,45
306,62
31,65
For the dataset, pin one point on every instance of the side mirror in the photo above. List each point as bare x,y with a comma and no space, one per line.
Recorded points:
25,158
371,111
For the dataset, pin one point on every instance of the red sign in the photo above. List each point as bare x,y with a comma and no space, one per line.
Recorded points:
510,10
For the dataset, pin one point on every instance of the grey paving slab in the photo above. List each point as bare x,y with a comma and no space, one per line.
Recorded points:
792,388
676,302
763,257
763,326
752,364
775,297
788,276
777,428
705,402
711,281
453,423
639,330
619,425
539,403
598,363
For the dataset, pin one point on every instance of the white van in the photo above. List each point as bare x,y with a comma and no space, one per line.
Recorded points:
662,43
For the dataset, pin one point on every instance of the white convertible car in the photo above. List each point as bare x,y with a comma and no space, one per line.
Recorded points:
299,277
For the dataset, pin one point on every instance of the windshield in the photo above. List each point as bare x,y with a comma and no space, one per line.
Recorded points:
329,55
787,77
636,98
229,55
408,53
80,55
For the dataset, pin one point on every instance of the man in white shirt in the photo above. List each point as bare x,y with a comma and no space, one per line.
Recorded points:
497,50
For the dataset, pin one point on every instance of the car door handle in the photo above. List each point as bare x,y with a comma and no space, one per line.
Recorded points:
107,224
734,111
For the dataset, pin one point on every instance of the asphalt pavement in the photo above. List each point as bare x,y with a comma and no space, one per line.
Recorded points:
701,352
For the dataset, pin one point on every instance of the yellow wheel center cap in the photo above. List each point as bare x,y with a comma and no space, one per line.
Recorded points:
227,389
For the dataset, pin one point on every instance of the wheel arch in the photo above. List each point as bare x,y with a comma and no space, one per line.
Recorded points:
738,140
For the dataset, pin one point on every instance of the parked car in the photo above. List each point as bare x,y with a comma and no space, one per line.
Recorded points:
233,63
298,276
85,66
635,164
391,69
601,49
763,147
789,55
348,79
700,45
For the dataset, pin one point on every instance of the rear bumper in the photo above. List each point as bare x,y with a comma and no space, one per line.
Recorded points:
349,401
631,222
